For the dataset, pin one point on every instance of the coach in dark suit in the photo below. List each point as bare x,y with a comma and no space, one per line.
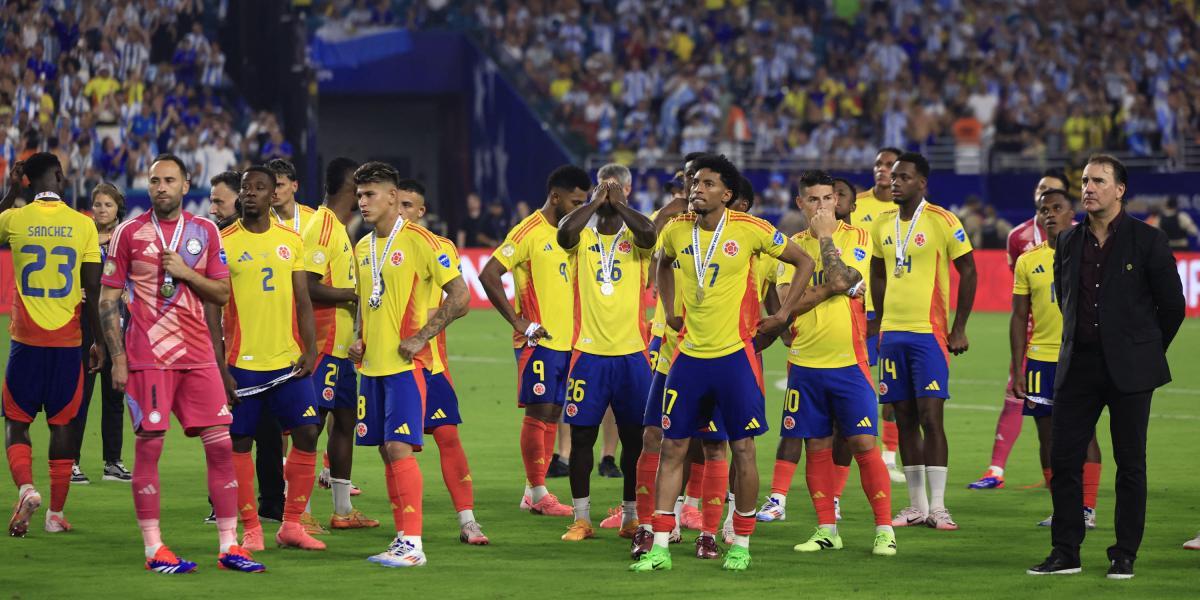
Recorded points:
1122,303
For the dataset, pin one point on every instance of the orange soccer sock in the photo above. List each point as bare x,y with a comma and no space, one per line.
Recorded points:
397,503
818,472
533,453
1091,483
60,482
876,484
325,459
20,463
716,485
891,436
840,475
243,467
695,484
781,480
407,486
299,472
647,471
455,470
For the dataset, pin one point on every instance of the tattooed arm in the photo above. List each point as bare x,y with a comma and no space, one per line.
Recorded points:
453,306
114,339
836,272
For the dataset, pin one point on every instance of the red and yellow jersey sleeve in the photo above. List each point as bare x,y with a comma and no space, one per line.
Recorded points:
447,259
728,315
833,334
1034,277
544,290
867,209
260,319
605,324
50,241
918,300
408,270
328,253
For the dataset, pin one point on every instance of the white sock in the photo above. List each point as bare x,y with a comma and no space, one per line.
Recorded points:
997,471
341,495
583,508
628,512
832,528
415,540
741,540
465,516
889,457
780,499
53,513
152,550
24,486
687,501
732,509
937,487
883,528
536,493
647,526
914,475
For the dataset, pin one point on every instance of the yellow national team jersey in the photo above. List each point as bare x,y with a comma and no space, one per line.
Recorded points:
919,300
437,346
764,275
729,313
867,209
327,252
49,241
613,325
260,319
1034,277
302,216
413,264
832,335
544,292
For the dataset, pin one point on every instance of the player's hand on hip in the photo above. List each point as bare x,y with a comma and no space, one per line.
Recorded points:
304,367
957,343
95,358
120,373
410,346
823,223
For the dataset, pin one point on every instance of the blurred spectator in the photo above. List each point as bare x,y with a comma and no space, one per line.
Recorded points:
475,229
1177,224
971,215
993,230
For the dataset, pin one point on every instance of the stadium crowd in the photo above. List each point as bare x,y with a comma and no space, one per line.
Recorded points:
107,85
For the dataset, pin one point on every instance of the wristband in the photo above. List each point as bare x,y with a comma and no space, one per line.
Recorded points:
856,288
529,331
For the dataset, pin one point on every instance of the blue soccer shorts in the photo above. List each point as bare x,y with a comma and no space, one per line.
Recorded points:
43,378
721,396
292,402
911,366
1039,388
441,401
597,382
872,344
541,375
816,397
654,348
335,382
391,408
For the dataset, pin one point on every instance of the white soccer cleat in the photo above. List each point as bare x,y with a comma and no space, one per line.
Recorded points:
526,503
1192,544
772,510
941,519
1089,517
323,479
909,516
727,533
400,554
895,473
1047,522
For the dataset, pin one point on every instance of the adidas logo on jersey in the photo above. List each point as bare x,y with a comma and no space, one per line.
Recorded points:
594,248
439,414
865,422
403,429
933,387
1040,269
687,250
887,241
867,219
245,257
548,247
311,412
753,424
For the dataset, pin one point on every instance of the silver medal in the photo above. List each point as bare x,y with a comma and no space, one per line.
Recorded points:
376,264
902,246
607,259
606,288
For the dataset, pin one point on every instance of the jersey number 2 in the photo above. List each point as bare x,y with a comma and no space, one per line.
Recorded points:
268,273
67,268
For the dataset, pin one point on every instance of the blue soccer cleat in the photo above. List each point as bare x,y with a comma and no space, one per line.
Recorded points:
167,563
239,559
989,481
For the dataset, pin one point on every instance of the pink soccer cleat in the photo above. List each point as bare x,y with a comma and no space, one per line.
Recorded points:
27,503
691,518
551,507
293,535
613,520
252,539
57,523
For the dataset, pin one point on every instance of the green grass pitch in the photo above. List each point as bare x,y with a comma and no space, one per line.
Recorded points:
987,557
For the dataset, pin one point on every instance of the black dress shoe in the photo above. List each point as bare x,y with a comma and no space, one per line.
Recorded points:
1057,565
1122,568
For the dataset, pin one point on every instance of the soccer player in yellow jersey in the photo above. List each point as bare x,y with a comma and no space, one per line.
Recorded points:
332,287
544,325
56,257
716,366
399,264
1036,357
828,376
285,209
609,262
264,367
442,415
912,247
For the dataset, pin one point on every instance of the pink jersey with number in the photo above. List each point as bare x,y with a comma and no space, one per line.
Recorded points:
164,333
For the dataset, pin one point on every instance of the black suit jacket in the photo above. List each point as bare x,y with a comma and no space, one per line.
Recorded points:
1141,303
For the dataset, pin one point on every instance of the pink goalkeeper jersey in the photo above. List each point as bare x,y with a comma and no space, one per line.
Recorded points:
164,333
1022,239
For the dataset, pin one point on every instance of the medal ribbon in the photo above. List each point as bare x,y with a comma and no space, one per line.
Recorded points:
175,237
606,261
902,248
295,218
702,267
376,261
47,195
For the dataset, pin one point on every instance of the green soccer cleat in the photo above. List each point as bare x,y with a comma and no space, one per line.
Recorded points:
885,544
737,558
822,539
657,559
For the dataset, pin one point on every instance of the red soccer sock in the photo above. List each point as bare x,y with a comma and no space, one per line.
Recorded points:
891,436
647,471
455,471
397,503
840,475
299,472
876,484
1008,429
533,453
20,463
742,524
147,450
781,480
409,487
1091,483
218,457
716,485
818,472
243,468
60,482
1048,475
663,522
695,484
548,440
